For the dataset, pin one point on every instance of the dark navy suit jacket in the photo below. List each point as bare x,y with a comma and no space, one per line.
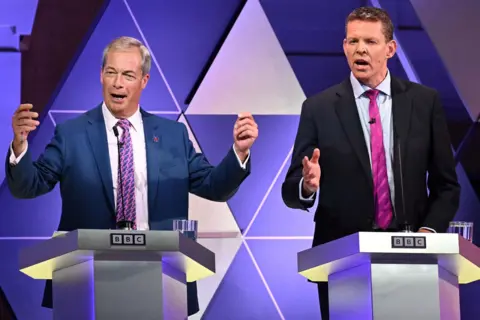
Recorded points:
78,158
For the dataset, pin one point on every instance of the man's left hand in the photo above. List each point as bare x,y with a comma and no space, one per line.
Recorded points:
245,132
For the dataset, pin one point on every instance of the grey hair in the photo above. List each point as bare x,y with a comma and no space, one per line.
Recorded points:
125,43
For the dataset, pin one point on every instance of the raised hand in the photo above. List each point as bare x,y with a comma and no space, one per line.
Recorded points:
23,123
311,173
245,132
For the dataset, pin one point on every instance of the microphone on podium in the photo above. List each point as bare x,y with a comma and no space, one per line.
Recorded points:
405,226
122,224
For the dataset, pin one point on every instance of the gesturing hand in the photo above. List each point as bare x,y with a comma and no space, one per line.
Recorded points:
311,173
244,134
23,123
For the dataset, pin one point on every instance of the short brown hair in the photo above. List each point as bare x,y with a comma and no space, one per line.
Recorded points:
373,14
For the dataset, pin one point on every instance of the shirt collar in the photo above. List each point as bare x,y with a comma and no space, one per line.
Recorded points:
111,121
359,89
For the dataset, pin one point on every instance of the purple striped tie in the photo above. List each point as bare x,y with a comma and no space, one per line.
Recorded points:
126,208
383,205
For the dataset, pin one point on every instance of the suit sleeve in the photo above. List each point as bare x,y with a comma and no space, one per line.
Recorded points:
305,142
215,183
29,179
443,185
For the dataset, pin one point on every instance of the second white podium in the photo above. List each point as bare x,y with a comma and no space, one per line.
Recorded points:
393,276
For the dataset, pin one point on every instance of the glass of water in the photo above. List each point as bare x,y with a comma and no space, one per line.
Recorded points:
463,228
188,227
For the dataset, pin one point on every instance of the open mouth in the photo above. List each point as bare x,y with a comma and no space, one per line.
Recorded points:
118,97
361,62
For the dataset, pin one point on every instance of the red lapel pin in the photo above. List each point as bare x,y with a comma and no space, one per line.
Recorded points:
155,139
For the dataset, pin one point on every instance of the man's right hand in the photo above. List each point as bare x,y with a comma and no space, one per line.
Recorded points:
311,173
23,123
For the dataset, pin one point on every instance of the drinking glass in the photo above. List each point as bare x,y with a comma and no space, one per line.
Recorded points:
188,227
463,228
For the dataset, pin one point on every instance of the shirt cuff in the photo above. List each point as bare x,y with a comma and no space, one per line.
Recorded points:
429,229
15,160
244,164
300,193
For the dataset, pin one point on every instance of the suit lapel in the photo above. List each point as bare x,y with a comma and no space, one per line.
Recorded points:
401,113
160,160
99,147
152,143
347,112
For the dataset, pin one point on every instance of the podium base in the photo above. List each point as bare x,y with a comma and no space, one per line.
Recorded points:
394,291
101,290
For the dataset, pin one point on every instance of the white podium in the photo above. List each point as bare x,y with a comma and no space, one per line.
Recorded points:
390,276
118,274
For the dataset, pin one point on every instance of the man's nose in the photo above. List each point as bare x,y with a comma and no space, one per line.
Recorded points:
118,83
361,49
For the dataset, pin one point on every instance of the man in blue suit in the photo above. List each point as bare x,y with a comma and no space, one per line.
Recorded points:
117,152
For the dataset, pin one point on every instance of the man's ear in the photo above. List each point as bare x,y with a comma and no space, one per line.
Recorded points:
391,48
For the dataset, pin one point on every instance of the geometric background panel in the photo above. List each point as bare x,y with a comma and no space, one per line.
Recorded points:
276,137
191,136
10,63
296,297
182,35
275,219
214,218
24,294
469,306
469,202
449,23
250,73
242,294
82,88
225,250
300,30
29,217
429,65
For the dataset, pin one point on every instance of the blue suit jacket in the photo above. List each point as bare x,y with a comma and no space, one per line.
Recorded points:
78,158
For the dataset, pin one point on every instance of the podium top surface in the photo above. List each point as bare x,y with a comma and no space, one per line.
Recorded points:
70,248
450,251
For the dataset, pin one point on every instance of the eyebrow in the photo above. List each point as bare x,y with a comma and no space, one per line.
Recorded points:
126,71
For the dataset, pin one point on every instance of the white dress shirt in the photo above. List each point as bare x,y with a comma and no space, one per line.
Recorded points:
140,161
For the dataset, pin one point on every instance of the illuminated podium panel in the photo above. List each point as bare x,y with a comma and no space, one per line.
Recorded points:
118,274
376,275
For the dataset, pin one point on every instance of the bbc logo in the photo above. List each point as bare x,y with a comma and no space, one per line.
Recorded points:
409,242
125,239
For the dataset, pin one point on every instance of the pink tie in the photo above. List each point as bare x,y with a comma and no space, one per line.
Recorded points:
126,191
383,205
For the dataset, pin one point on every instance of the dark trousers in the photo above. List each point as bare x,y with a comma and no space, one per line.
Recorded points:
323,297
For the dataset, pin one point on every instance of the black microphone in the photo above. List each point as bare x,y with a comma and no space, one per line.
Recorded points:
406,226
372,120
122,224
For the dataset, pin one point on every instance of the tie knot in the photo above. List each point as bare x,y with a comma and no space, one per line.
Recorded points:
372,94
124,124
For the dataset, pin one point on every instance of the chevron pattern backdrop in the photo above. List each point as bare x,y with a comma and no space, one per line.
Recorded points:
211,60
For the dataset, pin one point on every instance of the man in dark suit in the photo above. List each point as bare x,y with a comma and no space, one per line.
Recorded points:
157,161
355,139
